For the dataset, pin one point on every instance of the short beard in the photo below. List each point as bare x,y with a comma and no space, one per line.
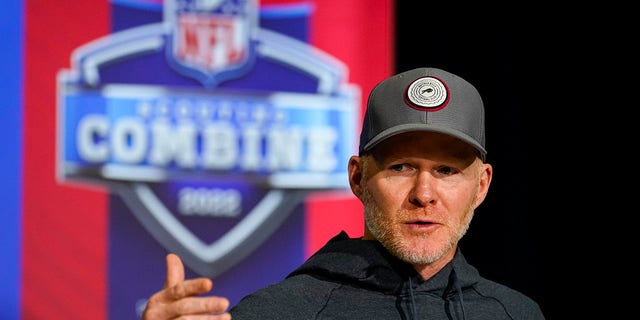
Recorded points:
379,224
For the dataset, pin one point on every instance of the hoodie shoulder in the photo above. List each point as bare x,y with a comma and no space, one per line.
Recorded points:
515,303
299,297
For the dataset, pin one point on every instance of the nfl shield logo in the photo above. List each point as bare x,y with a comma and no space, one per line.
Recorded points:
212,39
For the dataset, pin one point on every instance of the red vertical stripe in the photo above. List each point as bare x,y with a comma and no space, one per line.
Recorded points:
360,34
64,235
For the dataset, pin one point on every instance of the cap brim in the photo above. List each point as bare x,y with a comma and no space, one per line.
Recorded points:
422,127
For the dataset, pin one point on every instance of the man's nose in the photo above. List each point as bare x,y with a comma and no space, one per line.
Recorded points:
423,193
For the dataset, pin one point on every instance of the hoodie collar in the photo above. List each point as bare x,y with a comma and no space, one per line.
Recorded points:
366,263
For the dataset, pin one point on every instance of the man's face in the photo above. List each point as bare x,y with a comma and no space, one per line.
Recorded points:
419,192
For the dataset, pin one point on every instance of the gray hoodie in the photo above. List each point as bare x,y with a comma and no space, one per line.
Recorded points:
350,278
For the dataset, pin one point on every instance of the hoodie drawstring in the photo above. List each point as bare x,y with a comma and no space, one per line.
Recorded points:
414,315
456,283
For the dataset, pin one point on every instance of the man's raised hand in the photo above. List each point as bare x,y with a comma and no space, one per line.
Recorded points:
180,298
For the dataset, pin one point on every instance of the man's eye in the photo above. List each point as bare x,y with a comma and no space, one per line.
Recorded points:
397,167
446,170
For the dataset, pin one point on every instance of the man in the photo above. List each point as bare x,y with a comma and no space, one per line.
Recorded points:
420,173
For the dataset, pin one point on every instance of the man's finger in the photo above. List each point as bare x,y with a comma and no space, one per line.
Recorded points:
176,284
201,305
175,270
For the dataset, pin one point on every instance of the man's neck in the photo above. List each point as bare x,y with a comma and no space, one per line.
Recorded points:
429,270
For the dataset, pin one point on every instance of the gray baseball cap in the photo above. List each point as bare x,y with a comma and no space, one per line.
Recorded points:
424,99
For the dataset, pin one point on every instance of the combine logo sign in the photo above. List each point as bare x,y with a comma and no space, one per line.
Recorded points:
210,128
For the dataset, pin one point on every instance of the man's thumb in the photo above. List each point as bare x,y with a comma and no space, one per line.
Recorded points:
175,270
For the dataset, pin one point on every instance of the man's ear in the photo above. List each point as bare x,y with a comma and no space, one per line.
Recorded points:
355,175
485,182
